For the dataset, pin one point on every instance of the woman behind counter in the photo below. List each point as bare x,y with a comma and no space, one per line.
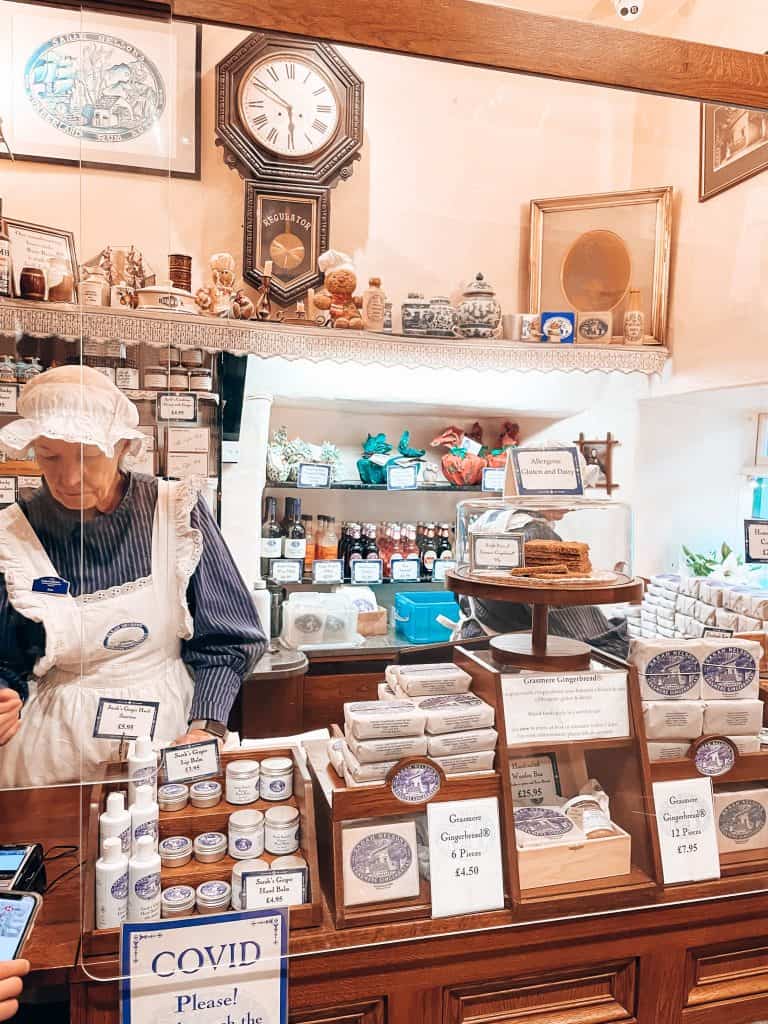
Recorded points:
112,584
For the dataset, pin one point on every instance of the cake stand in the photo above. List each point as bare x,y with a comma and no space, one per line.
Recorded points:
538,650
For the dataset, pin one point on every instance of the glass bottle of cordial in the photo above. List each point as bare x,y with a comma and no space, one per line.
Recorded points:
5,258
271,536
311,547
295,540
429,552
354,550
370,546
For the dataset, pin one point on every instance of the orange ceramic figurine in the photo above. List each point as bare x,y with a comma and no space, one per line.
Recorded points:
340,284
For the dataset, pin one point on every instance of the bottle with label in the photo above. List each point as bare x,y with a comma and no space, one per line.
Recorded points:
634,319
396,552
263,602
287,519
322,524
115,822
309,533
374,301
295,541
145,817
111,886
144,883
142,768
444,549
328,549
370,546
354,550
429,552
410,547
6,289
271,536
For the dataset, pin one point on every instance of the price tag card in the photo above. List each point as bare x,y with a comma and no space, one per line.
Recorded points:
184,465
565,706
367,571
285,887
685,817
756,540
330,570
312,475
535,471
535,780
125,719
211,970
717,632
30,482
7,490
470,445
191,762
493,479
8,395
441,567
405,570
177,408
187,439
403,478
494,552
285,570
465,856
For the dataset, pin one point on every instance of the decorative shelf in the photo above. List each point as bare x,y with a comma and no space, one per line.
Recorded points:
352,485
317,344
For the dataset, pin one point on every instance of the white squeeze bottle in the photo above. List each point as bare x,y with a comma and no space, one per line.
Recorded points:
111,886
144,883
145,817
142,767
116,821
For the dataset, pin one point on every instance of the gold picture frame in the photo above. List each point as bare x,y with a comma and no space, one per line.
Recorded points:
642,218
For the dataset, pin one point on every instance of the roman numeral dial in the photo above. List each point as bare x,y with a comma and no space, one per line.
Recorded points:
288,105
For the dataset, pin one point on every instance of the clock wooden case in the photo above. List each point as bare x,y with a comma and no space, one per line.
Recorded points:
289,111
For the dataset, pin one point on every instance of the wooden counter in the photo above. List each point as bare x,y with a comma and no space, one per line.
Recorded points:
694,962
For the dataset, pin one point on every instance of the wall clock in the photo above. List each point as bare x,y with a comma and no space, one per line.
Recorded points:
289,111
289,228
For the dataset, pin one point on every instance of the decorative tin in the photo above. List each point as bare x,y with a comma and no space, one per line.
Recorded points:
415,782
714,755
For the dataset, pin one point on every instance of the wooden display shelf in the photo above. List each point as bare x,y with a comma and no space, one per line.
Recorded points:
748,768
191,822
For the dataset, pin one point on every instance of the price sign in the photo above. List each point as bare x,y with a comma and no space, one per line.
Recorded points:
494,552
177,408
403,478
535,780
125,719
470,445
685,818
329,570
212,970
441,567
284,887
493,479
717,632
7,490
312,475
191,762
405,570
536,471
563,707
367,571
8,395
465,856
756,540
285,570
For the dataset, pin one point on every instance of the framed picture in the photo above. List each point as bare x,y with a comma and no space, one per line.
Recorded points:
587,252
101,90
51,250
761,448
288,229
734,147
598,456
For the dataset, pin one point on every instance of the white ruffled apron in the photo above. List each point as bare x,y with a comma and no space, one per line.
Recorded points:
121,643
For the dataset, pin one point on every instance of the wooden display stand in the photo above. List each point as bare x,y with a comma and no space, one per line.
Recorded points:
192,822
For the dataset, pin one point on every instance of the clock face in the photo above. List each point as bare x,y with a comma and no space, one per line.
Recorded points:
288,105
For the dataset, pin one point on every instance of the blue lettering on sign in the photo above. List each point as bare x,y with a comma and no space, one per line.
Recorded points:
126,636
191,960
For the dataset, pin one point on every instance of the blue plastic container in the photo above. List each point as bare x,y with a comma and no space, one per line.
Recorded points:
416,616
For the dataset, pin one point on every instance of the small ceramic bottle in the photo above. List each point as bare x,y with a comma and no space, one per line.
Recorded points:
374,300
634,320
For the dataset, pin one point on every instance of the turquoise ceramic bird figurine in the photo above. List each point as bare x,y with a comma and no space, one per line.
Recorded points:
370,473
405,449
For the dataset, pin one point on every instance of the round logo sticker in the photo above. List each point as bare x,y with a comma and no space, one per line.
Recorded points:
95,86
673,673
148,887
416,782
542,821
729,669
741,820
126,636
120,887
714,757
380,858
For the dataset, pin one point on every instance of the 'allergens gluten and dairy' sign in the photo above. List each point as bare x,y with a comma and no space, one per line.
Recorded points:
543,471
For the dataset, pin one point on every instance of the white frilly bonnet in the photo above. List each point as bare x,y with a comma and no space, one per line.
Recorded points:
76,404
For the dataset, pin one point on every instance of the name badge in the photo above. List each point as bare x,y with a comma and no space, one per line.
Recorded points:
125,719
50,585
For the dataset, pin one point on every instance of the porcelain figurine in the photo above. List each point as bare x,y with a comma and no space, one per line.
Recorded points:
284,456
223,297
479,312
339,295
442,318
414,312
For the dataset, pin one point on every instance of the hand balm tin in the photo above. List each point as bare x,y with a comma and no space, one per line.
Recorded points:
213,896
177,901
205,794
210,847
243,782
173,797
276,781
281,829
175,851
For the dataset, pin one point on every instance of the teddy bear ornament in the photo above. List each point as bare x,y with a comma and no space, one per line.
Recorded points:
338,297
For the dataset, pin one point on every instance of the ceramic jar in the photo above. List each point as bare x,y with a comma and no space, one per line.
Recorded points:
442,318
414,311
479,312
